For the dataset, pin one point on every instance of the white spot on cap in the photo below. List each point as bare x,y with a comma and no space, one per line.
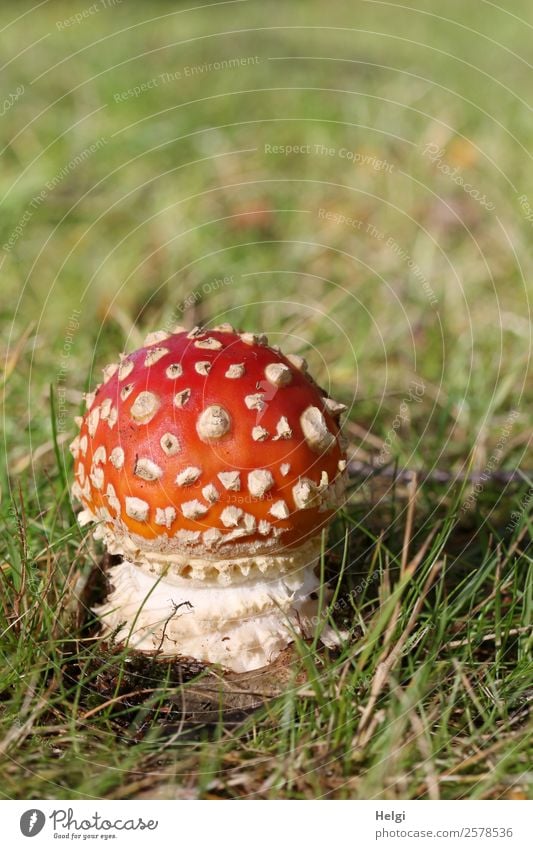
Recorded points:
84,517
259,434
136,508
174,370
280,510
86,490
105,408
125,368
97,477
170,444
236,533
89,399
210,493
126,391
264,527
255,402
76,491
225,327
259,482
209,344
92,420
193,509
117,457
80,471
156,336
297,361
109,371
104,514
99,455
114,502
74,446
147,470
341,465
235,370
112,418
213,423
285,469
250,522
283,430
164,516
145,407
278,374
202,367
83,444
254,338
334,407
230,516
195,332
212,536
154,355
181,398
305,494
230,480
188,537
315,430
188,476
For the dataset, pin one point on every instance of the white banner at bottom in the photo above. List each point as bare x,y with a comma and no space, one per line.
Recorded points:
265,825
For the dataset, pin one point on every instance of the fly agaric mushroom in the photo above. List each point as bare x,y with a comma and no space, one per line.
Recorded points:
210,463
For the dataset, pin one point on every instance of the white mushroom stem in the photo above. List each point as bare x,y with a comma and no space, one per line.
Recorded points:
242,623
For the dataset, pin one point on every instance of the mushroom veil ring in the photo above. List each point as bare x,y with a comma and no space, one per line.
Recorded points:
210,463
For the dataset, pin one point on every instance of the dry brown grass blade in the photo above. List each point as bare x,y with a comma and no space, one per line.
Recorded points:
412,495
408,530
513,632
26,720
389,659
408,573
474,759
13,358
22,463
420,730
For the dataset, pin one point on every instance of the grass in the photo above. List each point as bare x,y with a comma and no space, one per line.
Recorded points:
409,297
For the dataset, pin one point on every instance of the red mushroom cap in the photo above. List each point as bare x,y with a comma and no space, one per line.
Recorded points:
209,442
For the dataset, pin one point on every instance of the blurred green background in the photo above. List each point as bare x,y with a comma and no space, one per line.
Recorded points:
145,163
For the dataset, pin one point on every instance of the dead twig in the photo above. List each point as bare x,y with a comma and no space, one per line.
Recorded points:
357,470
